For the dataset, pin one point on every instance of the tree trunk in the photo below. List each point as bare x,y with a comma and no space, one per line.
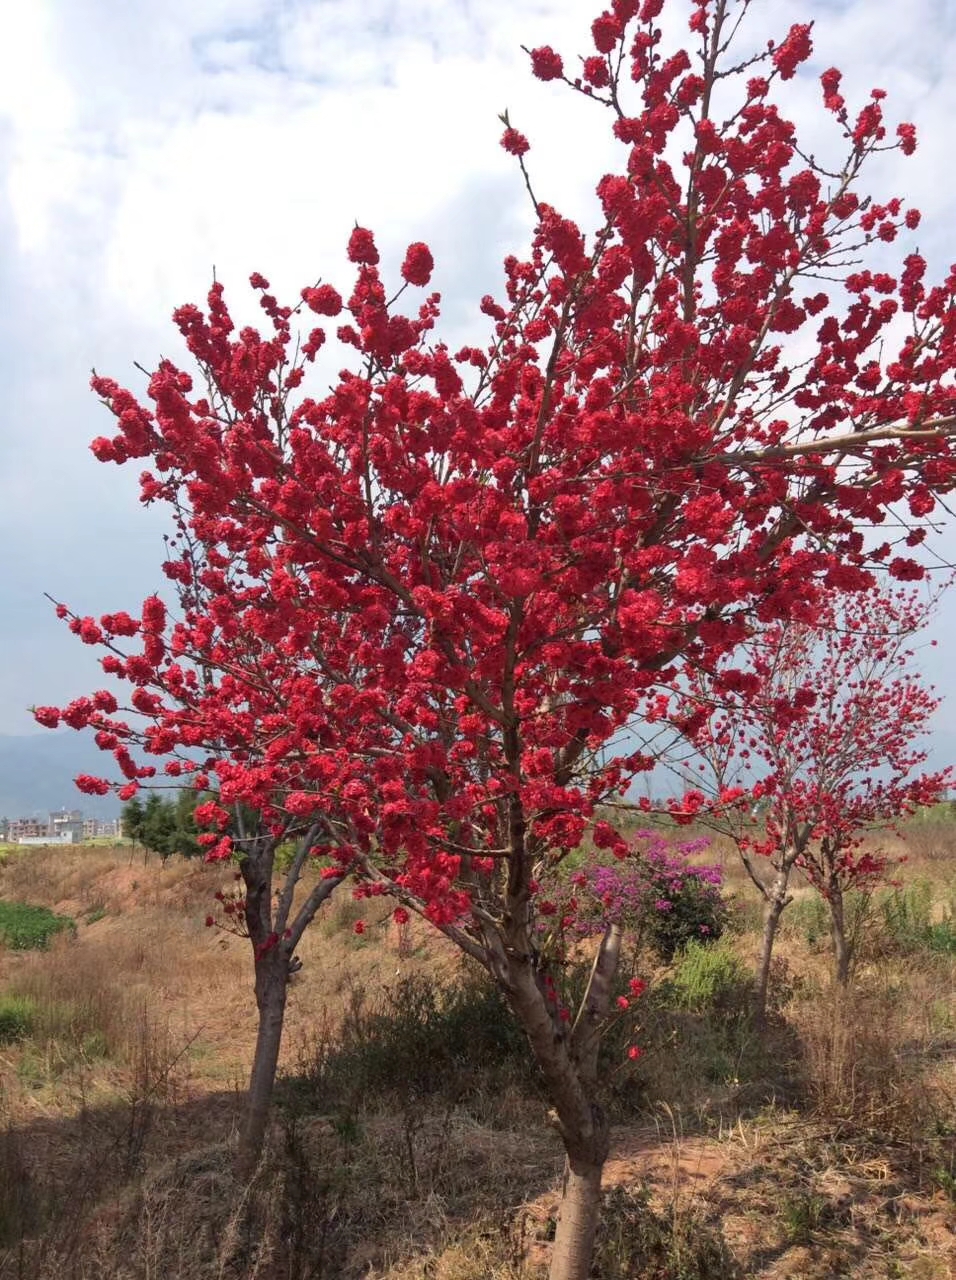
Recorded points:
776,903
577,1221
841,946
570,1076
272,978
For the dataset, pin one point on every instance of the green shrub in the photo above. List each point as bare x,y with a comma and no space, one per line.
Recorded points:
420,1040
27,928
809,919
709,976
898,920
697,917
697,1033
17,1016
284,856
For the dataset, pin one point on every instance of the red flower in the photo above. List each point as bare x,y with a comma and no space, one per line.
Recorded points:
596,72
831,81
907,136
546,64
104,450
634,1052
400,915
795,49
514,142
904,570
89,632
323,300
359,926
606,31
91,786
418,265
362,247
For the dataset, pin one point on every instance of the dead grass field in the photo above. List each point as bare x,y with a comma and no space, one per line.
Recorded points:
824,1147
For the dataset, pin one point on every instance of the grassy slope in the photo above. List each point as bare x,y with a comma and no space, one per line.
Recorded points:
127,1088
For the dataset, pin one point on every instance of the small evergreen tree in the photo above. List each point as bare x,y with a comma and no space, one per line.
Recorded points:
132,821
164,825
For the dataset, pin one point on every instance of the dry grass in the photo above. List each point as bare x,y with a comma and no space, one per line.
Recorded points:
826,1148
880,1056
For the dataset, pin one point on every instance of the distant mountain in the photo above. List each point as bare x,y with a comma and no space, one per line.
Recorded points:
37,772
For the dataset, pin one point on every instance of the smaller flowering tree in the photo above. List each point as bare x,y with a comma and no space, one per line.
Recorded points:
831,715
209,710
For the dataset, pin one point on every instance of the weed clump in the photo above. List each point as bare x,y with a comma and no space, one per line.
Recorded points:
907,918
636,1240
710,976
419,1041
17,1018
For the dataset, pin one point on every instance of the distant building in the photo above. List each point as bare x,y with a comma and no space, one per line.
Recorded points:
65,826
97,828
62,826
20,829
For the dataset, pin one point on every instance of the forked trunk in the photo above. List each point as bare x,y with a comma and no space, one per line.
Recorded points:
274,937
272,976
577,1222
569,1064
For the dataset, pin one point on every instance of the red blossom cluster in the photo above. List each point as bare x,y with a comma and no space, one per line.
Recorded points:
425,600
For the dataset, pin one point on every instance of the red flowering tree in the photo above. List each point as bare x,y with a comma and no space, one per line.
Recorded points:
214,711
459,577
822,725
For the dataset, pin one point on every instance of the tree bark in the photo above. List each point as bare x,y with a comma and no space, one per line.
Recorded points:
272,979
577,1221
776,903
841,946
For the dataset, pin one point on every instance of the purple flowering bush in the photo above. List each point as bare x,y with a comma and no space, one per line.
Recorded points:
657,895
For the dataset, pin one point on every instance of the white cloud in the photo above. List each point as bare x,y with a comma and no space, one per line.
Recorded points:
145,143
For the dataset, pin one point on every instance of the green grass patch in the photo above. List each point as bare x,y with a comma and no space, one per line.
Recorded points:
908,917
17,1016
27,928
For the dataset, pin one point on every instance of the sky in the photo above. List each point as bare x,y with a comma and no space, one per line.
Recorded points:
144,145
